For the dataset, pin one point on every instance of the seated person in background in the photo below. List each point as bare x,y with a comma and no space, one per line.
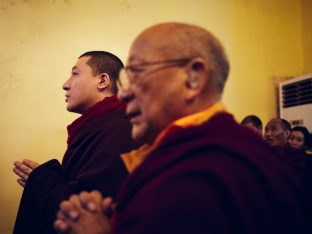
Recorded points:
299,137
309,145
254,123
203,172
95,141
276,133
300,140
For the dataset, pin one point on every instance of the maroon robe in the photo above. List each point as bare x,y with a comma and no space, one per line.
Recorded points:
91,161
297,159
215,178
300,162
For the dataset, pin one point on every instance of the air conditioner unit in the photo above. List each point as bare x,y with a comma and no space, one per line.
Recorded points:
295,101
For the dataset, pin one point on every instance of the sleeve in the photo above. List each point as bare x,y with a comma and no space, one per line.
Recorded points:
177,201
44,190
93,162
211,193
96,164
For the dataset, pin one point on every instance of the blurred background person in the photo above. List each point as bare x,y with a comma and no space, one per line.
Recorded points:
254,123
299,137
276,133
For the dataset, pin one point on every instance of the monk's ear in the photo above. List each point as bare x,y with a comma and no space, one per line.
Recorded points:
104,81
196,78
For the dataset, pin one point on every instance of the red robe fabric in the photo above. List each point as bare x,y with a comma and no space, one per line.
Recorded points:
107,104
215,178
299,161
91,161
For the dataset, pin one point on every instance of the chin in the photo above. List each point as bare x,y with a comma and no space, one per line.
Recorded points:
74,109
70,109
139,133
296,146
138,137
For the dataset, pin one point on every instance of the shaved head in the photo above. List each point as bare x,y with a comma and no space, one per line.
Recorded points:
184,63
188,41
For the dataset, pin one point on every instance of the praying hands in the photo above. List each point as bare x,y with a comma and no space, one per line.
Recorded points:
23,170
85,213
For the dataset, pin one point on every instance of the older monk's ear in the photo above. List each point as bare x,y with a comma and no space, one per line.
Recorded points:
104,81
196,79
193,80
194,85
196,74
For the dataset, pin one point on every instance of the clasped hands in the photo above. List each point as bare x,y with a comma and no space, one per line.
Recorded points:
85,213
23,169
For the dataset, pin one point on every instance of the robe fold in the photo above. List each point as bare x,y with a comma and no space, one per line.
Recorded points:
217,177
91,162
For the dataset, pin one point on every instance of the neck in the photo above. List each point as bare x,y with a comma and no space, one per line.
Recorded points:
99,98
202,105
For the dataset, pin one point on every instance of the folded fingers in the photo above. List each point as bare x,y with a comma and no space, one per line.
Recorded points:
22,167
30,164
20,173
91,201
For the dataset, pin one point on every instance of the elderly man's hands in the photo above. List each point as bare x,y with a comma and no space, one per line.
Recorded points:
23,170
85,213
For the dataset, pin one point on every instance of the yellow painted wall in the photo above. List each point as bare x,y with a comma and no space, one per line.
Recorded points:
41,39
306,15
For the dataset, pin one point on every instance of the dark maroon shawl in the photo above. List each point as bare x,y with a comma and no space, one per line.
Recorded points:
296,158
107,104
91,161
214,178
298,161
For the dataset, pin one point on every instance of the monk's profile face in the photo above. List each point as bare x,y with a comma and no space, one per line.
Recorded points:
81,87
170,76
274,134
155,95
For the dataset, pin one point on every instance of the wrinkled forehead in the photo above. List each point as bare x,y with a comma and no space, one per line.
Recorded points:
150,45
143,51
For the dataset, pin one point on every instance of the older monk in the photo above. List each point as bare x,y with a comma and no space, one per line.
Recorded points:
202,172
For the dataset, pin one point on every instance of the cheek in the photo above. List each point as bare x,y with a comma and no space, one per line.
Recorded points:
278,136
154,106
145,99
300,143
76,96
